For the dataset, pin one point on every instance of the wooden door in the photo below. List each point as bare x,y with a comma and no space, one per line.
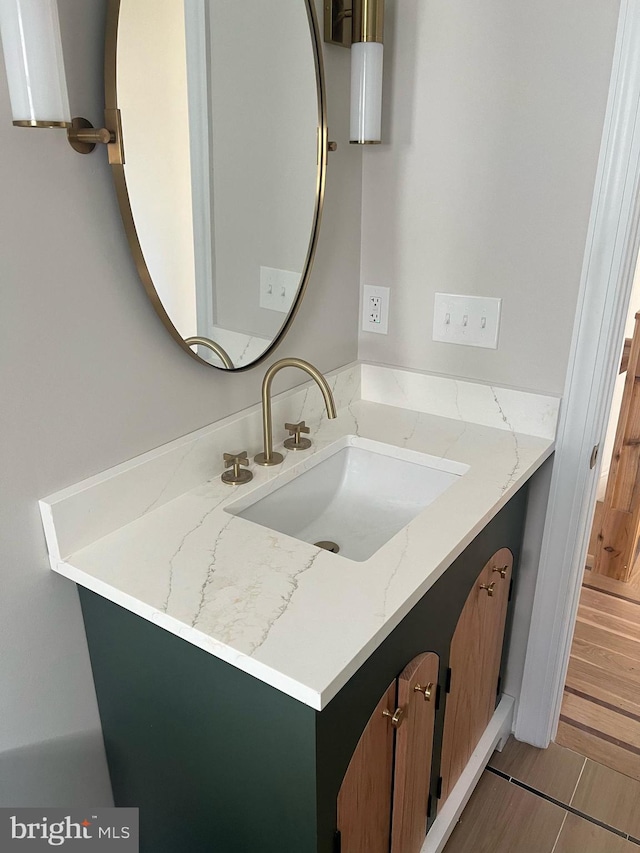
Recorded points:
476,651
616,543
417,687
364,800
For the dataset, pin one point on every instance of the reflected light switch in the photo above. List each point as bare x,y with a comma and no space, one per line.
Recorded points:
278,289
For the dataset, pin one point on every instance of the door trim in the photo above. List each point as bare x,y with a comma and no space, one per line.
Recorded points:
197,24
607,276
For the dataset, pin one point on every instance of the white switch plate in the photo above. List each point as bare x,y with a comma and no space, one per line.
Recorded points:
278,289
375,309
470,320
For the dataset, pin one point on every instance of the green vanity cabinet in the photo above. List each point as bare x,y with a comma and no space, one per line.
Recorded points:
219,762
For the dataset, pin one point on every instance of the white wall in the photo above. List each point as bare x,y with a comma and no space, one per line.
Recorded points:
88,378
494,114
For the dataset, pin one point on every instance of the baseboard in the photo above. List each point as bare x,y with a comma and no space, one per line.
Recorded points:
495,736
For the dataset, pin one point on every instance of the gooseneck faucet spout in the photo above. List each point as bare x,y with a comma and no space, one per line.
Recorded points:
222,354
269,456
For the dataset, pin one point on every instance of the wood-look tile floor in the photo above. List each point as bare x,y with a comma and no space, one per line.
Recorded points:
600,715
549,801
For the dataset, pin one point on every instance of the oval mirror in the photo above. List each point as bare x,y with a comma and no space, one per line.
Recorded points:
224,140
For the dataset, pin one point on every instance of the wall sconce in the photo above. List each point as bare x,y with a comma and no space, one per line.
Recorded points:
359,24
32,46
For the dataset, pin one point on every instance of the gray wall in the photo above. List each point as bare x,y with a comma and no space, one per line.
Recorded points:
494,114
89,378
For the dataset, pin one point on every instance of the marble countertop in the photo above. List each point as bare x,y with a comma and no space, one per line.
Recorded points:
295,616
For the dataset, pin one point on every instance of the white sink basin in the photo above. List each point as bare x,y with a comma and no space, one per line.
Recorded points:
356,493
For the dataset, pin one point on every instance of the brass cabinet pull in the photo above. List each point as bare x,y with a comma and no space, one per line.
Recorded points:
426,691
503,571
396,717
490,587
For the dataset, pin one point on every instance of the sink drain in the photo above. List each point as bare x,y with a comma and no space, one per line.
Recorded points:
328,546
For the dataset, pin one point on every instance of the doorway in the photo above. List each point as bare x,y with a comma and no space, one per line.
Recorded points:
600,712
609,262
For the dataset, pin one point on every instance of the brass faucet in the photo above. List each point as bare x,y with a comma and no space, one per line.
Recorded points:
222,354
269,456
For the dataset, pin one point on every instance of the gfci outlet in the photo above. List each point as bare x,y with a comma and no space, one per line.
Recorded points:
375,309
473,321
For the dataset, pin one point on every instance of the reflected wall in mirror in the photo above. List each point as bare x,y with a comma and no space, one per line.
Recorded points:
224,135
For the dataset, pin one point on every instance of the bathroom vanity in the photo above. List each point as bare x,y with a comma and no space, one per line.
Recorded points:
217,760
260,693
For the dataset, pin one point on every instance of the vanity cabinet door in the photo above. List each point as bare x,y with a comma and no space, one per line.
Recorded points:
417,686
476,651
364,801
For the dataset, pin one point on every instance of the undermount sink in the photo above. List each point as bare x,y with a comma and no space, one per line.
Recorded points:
352,496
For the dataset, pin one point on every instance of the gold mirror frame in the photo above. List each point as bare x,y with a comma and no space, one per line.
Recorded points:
117,154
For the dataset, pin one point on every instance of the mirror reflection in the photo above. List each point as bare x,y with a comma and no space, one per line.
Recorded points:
220,114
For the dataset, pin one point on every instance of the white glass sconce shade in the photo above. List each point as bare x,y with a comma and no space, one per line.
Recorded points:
366,92
32,46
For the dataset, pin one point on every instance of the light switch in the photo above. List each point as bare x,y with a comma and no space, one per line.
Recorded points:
473,321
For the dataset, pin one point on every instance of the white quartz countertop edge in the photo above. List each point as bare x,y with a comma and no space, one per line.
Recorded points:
331,651
247,664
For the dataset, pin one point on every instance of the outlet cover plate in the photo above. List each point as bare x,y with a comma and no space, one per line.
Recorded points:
472,321
381,295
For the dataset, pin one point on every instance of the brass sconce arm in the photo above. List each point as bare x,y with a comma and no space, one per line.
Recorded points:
83,136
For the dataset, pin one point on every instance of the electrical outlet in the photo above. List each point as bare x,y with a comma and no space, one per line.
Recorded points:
278,289
473,321
375,309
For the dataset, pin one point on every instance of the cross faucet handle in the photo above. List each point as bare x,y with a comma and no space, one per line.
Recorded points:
296,429
235,459
236,476
297,442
